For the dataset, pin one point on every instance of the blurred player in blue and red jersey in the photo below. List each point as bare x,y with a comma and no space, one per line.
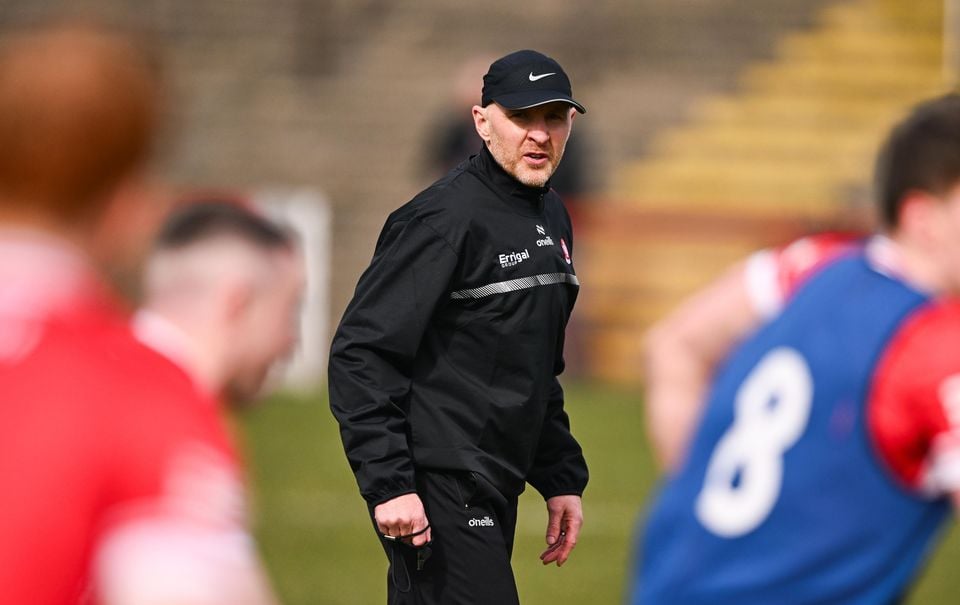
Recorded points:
806,406
118,481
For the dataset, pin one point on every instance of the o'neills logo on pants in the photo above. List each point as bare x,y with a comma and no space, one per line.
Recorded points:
485,522
513,258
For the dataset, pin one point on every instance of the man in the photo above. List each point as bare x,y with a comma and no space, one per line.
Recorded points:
822,381
117,479
454,137
222,291
443,370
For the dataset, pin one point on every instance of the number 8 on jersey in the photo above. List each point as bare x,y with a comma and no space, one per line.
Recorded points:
745,472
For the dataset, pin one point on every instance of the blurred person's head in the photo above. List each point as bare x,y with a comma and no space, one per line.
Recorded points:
78,115
526,114
918,189
468,81
232,281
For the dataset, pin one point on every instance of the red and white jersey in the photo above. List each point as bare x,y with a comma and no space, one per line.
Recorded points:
773,274
914,404
117,477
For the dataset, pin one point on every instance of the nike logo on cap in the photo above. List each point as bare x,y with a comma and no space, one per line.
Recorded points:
534,78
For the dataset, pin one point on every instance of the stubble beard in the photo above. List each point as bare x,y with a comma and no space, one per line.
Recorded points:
512,163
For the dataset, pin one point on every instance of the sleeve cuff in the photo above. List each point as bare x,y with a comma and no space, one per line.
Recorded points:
562,492
941,475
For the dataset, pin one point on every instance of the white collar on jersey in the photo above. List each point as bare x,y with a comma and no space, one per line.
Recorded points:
885,256
168,339
40,273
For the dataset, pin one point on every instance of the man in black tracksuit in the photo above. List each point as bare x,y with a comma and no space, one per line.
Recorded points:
443,372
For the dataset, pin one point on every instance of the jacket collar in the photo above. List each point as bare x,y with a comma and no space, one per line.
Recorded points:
522,197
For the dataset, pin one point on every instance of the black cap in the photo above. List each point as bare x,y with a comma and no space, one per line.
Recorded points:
525,79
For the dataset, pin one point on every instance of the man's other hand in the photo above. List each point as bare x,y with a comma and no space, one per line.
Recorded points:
403,516
563,528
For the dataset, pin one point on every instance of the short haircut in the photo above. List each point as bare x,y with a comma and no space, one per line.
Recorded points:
201,220
79,107
922,153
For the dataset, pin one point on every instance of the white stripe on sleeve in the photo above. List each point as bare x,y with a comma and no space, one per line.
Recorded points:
763,285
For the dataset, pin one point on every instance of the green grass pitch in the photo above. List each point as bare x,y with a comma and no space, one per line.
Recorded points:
320,548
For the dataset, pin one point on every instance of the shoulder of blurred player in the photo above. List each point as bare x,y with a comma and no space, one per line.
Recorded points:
914,405
140,405
774,274
682,351
718,315
108,426
176,528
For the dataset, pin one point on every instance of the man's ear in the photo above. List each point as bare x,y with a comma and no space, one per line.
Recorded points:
917,217
481,123
237,297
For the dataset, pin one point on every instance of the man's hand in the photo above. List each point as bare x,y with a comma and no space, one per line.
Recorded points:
563,527
402,516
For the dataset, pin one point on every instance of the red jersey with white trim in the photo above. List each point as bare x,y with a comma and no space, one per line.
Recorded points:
914,408
97,431
773,274
914,404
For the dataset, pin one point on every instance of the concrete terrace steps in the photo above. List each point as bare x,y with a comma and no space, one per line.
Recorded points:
844,79
791,144
845,100
632,262
787,109
865,46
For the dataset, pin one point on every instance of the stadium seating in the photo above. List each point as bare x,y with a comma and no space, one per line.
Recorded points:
788,151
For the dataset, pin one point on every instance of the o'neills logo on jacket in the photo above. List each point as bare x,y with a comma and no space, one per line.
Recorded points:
513,258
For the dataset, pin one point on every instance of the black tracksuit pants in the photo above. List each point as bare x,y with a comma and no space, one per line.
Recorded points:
468,562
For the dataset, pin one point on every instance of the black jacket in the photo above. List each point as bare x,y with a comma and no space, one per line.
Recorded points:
447,356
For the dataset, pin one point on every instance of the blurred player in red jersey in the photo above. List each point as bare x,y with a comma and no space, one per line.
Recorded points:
118,481
806,405
222,289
